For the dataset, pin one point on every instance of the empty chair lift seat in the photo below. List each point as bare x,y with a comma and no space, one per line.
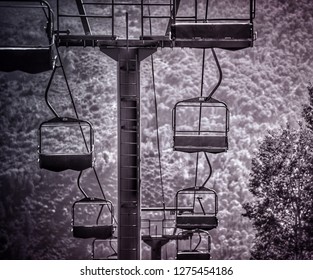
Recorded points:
212,30
190,222
223,34
196,129
205,209
97,229
93,231
62,162
59,161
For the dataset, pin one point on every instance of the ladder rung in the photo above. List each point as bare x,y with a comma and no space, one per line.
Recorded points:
128,107
133,120
131,179
128,71
129,96
128,130
129,145
129,203
128,190
125,214
128,142
132,84
132,132
133,105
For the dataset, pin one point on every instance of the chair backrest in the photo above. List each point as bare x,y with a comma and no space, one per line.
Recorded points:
66,143
203,202
22,48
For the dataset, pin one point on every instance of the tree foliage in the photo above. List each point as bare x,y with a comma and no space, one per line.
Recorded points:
281,182
307,112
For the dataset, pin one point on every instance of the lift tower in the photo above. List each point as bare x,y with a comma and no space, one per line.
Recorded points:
128,98
182,31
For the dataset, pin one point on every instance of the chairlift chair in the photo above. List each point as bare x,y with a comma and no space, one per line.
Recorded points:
196,249
96,228
29,58
226,33
62,160
205,208
195,128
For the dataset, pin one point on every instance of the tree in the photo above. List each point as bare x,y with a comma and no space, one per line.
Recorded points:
307,112
281,183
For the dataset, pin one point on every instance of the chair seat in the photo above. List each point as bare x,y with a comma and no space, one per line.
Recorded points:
61,162
94,231
225,35
27,59
200,143
204,222
193,255
212,30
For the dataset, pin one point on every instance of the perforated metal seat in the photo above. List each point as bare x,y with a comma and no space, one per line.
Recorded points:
212,30
205,143
189,222
228,35
62,162
95,227
93,231
204,213
195,127
232,33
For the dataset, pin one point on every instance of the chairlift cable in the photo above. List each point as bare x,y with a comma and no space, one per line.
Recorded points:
82,132
79,186
99,215
115,253
200,112
47,92
201,95
199,242
208,178
157,122
71,97
201,91
220,75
